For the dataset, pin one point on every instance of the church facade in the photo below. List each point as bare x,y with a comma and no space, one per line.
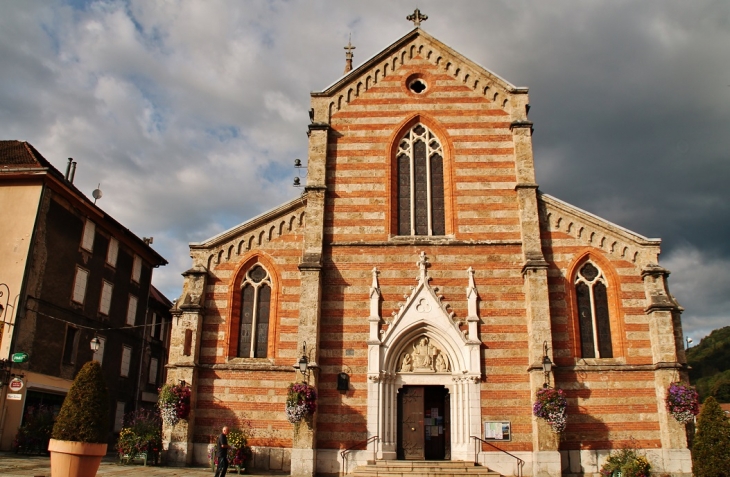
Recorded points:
426,280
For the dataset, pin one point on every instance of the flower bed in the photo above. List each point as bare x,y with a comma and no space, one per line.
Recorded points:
239,453
626,463
142,434
682,402
174,403
550,405
34,434
301,401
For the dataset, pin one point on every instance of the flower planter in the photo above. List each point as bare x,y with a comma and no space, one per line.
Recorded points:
75,459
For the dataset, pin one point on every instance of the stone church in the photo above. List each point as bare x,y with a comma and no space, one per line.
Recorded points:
426,281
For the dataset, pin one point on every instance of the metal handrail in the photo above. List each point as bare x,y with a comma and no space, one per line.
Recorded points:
344,452
477,449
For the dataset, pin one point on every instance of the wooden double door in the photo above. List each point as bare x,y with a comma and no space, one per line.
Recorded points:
424,423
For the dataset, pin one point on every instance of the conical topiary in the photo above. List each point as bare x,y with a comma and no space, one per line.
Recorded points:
84,415
711,446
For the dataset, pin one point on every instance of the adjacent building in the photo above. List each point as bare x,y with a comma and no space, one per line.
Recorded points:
70,274
426,280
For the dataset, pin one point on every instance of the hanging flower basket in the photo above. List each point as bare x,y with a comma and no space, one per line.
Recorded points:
301,401
174,403
682,402
550,405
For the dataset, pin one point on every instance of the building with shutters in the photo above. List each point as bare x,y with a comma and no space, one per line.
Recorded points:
70,273
426,279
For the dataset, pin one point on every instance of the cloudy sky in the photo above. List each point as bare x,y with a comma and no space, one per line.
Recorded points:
190,113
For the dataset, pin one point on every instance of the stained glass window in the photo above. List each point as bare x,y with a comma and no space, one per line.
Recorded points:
420,174
255,305
593,317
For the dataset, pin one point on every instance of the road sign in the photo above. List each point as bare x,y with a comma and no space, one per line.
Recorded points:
16,384
19,357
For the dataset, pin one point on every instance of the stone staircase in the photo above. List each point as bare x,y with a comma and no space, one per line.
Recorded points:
422,468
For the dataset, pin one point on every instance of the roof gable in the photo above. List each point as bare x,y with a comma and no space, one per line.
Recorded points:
413,48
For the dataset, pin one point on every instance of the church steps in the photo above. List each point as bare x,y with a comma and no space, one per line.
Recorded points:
422,469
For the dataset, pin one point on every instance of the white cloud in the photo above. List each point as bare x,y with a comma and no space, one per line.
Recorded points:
701,283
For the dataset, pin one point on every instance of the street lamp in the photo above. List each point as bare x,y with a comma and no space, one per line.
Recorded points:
689,340
547,365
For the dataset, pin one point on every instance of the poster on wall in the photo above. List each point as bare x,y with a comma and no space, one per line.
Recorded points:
497,431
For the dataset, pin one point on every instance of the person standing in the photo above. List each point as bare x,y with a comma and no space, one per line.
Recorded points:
222,453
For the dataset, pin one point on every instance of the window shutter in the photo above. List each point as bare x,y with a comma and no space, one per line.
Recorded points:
106,298
119,416
80,285
132,310
152,379
154,332
137,268
126,358
112,252
87,239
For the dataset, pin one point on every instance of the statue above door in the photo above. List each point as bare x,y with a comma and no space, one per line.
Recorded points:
422,356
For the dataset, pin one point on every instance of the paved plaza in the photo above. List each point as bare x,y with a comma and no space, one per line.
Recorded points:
12,465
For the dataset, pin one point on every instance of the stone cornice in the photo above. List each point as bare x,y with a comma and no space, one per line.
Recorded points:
422,241
250,366
617,367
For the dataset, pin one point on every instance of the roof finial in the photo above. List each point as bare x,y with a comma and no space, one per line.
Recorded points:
417,18
349,55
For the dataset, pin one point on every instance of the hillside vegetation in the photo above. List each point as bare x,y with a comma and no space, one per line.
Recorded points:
710,362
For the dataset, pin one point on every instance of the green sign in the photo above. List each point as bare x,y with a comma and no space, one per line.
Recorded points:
20,357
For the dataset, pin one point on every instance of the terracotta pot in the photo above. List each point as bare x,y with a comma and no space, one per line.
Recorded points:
75,459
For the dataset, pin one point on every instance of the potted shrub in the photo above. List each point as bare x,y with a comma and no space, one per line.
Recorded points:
79,438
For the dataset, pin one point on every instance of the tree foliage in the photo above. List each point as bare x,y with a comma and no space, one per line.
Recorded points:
84,415
710,365
711,446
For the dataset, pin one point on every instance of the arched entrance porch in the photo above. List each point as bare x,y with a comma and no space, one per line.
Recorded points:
423,347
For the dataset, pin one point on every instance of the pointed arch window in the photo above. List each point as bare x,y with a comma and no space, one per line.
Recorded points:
255,306
593,315
420,170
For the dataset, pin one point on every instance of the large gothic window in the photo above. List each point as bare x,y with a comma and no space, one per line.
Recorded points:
420,183
255,304
593,316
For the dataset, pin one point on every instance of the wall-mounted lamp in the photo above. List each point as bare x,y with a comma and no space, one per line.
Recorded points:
343,382
183,383
95,344
303,362
547,365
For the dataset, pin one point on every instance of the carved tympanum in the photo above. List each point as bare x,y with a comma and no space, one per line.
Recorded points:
424,357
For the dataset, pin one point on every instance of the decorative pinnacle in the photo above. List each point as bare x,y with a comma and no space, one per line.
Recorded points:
349,55
417,18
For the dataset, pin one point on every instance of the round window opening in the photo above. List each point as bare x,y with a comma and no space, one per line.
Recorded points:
417,86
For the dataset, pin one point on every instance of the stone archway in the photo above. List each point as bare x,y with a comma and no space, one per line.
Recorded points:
423,346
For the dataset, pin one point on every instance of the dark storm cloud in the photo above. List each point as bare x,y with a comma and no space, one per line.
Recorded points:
190,113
